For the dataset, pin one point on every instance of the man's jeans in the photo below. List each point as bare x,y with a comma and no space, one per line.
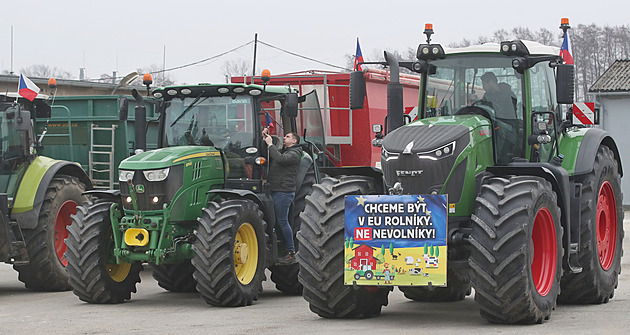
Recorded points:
282,202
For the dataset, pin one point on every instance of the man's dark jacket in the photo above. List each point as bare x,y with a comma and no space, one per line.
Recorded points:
284,166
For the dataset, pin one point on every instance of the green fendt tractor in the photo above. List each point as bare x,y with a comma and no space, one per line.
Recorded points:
37,196
198,210
534,200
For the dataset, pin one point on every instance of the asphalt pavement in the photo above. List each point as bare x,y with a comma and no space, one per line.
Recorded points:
155,311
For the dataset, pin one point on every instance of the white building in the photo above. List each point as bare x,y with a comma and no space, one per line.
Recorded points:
612,91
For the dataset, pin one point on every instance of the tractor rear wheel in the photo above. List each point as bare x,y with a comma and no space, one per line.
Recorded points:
458,287
286,276
516,256
45,243
176,277
95,276
601,235
321,254
230,253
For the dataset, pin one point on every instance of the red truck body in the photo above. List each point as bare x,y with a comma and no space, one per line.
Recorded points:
348,133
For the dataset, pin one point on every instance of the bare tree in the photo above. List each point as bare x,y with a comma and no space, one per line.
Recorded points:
237,67
45,71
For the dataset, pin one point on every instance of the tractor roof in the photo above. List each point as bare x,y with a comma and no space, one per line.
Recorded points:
534,48
219,90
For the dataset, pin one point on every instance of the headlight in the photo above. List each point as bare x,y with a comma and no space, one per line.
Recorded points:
124,175
441,152
156,175
389,155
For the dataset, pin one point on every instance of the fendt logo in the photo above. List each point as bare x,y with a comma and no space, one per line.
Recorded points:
408,173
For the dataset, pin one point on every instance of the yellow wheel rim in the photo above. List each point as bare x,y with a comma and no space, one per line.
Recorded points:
245,253
119,272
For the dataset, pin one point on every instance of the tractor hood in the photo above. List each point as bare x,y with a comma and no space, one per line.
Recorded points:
429,154
166,157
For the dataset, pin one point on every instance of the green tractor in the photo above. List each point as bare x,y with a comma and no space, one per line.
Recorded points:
37,196
534,198
197,210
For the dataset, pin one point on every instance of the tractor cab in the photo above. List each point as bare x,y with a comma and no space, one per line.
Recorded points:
18,144
512,84
231,118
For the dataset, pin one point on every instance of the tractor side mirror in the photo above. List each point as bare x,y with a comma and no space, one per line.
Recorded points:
23,121
357,90
565,83
42,110
291,105
123,112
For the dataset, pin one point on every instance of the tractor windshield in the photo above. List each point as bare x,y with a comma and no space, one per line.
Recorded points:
461,81
12,141
221,122
458,83
13,148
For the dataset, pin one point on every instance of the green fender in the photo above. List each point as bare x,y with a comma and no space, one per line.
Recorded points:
579,147
32,189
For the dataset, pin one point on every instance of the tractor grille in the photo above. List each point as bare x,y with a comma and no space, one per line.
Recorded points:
410,156
165,190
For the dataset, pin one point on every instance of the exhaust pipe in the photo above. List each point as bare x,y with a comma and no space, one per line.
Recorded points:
394,94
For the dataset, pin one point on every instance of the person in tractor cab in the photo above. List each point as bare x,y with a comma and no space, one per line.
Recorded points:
500,95
282,173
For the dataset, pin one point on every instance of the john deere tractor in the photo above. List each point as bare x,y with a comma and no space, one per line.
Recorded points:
198,210
37,196
534,197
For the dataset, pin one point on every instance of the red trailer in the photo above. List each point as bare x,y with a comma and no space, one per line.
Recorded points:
348,133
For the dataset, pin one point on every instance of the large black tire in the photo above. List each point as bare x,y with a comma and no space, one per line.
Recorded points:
94,275
516,259
458,287
321,253
223,277
286,276
176,277
601,232
45,243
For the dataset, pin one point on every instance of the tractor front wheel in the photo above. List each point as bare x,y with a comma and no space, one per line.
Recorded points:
45,243
516,256
321,252
601,235
95,276
230,253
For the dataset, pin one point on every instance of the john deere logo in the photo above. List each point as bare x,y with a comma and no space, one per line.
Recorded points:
140,188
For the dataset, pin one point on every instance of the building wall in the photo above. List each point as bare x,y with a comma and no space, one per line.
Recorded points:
615,119
69,87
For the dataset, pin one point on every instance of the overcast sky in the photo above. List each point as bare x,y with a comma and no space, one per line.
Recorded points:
106,36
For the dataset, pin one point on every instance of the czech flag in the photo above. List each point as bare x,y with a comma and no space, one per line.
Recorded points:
27,88
358,58
565,51
269,120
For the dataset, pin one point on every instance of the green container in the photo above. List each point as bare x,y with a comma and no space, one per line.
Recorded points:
85,112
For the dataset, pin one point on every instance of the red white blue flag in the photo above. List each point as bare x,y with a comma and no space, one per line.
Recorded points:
27,88
358,58
565,51
269,120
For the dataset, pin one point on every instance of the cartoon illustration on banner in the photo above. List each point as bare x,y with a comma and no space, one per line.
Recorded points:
395,240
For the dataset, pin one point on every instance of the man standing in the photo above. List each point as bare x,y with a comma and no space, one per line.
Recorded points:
282,173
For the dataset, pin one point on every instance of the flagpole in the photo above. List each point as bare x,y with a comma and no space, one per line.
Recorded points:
17,92
11,70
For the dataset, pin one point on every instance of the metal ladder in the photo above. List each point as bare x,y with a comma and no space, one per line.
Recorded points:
101,159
